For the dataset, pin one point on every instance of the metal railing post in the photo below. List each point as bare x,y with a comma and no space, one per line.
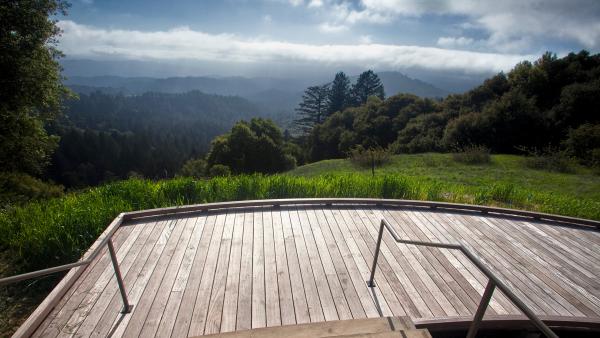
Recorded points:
370,283
483,305
113,256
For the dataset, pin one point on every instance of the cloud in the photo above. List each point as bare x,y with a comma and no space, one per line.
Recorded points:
332,28
315,3
365,39
183,43
509,24
454,42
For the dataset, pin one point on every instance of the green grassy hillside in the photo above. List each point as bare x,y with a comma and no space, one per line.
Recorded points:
503,170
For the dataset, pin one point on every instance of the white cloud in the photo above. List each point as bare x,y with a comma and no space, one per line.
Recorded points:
365,39
315,3
510,24
182,43
454,42
296,3
267,19
332,28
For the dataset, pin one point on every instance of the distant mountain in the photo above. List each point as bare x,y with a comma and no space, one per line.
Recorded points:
395,83
273,96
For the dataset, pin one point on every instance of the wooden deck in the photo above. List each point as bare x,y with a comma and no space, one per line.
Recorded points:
241,268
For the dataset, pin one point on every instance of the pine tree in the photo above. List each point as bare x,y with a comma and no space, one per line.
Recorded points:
313,108
339,94
368,84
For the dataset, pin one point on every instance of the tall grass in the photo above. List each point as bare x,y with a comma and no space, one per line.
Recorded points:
56,231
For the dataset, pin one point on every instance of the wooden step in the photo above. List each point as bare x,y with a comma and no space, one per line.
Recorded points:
419,333
326,329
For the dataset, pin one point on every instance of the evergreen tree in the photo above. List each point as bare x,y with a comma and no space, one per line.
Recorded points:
368,84
31,83
339,94
313,108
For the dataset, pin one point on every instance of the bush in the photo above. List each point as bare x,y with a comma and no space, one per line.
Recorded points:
473,154
549,159
369,158
584,143
219,170
19,188
195,168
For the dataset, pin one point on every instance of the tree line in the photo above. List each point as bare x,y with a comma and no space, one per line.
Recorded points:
551,103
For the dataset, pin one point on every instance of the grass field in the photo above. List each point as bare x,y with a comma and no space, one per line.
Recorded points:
59,230
503,169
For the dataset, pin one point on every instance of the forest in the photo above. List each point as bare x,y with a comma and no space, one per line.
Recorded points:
548,106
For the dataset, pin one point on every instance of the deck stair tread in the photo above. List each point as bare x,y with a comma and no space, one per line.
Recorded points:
365,327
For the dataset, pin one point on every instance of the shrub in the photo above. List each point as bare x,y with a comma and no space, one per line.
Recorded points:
195,168
20,188
218,170
473,154
549,159
584,143
369,158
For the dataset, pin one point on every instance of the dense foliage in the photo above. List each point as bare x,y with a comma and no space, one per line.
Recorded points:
551,102
30,84
255,146
106,137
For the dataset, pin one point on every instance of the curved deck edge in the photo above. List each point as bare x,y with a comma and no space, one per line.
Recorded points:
366,201
504,321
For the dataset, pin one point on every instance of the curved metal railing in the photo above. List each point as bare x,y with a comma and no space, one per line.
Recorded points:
493,281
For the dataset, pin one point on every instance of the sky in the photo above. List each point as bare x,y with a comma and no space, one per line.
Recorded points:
231,36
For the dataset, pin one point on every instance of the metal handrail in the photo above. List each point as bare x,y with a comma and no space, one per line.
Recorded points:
107,240
493,281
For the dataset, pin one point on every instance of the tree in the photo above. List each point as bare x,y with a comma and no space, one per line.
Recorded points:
368,84
339,94
30,79
255,146
313,108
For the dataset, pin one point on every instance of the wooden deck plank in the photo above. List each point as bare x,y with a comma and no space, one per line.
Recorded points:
298,294
319,248
488,254
151,306
182,322
406,294
428,258
198,320
354,289
451,305
273,311
476,278
284,286
229,315
217,297
176,295
508,256
322,285
249,267
259,303
150,277
575,302
362,257
244,314
315,309
423,229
